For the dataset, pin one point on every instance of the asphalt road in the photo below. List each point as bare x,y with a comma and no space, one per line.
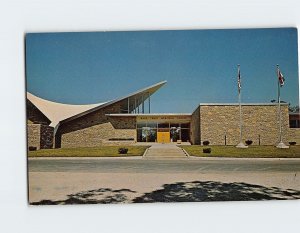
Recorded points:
142,165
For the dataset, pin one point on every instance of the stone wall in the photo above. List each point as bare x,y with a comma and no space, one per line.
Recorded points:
40,136
260,124
33,135
294,135
95,129
46,137
195,127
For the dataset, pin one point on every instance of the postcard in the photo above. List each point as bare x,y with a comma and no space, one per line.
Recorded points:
162,116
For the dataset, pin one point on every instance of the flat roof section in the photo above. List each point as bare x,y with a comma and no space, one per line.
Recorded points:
148,114
243,104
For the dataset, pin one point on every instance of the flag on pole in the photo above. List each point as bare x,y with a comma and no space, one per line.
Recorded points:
280,78
239,79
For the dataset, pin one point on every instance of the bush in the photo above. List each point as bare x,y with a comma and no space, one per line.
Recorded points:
32,148
123,150
207,150
205,143
121,139
292,143
248,142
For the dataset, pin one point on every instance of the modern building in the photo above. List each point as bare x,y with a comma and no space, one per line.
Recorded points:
129,120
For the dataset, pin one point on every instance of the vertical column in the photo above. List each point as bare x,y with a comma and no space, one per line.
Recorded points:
138,105
128,105
149,100
143,103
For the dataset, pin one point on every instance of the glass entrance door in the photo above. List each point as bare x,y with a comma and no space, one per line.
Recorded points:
175,134
163,132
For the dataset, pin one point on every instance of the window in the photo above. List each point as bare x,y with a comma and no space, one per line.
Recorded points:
163,125
294,123
141,125
185,126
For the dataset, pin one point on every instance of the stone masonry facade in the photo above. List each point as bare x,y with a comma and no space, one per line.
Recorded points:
294,135
216,123
40,136
220,123
195,127
33,135
97,129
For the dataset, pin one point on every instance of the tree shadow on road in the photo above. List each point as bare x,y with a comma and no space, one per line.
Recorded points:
96,196
195,191
198,191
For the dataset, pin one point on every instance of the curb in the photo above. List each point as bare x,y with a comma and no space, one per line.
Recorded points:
245,159
184,151
144,155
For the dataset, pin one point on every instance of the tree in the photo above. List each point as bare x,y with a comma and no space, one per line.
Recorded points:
294,109
276,101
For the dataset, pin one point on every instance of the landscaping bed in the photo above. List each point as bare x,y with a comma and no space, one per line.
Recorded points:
103,151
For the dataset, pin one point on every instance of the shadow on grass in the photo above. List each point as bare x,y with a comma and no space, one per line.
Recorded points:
196,191
96,196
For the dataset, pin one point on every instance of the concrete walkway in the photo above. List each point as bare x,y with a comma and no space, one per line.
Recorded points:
165,151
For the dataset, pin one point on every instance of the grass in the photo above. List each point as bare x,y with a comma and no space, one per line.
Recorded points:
251,152
103,151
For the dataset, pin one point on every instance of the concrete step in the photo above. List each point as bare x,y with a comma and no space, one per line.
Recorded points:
165,151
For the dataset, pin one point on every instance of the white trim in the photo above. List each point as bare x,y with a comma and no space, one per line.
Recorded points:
147,114
244,104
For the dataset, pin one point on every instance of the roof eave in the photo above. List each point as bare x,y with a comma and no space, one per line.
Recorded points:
158,85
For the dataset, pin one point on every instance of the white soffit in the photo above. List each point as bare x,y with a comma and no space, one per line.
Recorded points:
57,112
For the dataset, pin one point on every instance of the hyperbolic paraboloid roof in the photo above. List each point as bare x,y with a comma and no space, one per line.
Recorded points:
58,112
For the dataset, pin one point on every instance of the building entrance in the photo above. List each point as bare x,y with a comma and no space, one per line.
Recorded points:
162,130
163,136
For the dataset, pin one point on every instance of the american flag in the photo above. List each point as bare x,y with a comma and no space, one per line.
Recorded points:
280,78
239,79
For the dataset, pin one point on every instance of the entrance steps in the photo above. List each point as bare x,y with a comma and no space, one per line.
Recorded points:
165,151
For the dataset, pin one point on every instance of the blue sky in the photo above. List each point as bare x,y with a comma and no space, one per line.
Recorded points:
199,65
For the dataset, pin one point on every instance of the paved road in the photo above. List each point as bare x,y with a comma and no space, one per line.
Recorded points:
125,180
144,165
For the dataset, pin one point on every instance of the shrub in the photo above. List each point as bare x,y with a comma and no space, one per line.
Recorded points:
207,150
205,143
123,150
32,148
248,142
121,139
292,143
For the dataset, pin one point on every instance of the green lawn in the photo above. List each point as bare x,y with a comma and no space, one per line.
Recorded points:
251,152
103,151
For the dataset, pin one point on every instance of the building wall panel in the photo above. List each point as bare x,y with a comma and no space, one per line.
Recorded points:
260,124
96,129
195,127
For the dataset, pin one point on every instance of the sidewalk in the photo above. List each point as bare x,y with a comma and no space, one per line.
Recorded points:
165,151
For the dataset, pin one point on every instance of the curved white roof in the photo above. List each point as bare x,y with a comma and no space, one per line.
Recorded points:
57,112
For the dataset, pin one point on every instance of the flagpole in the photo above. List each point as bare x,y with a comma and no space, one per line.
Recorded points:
241,144
280,144
279,107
